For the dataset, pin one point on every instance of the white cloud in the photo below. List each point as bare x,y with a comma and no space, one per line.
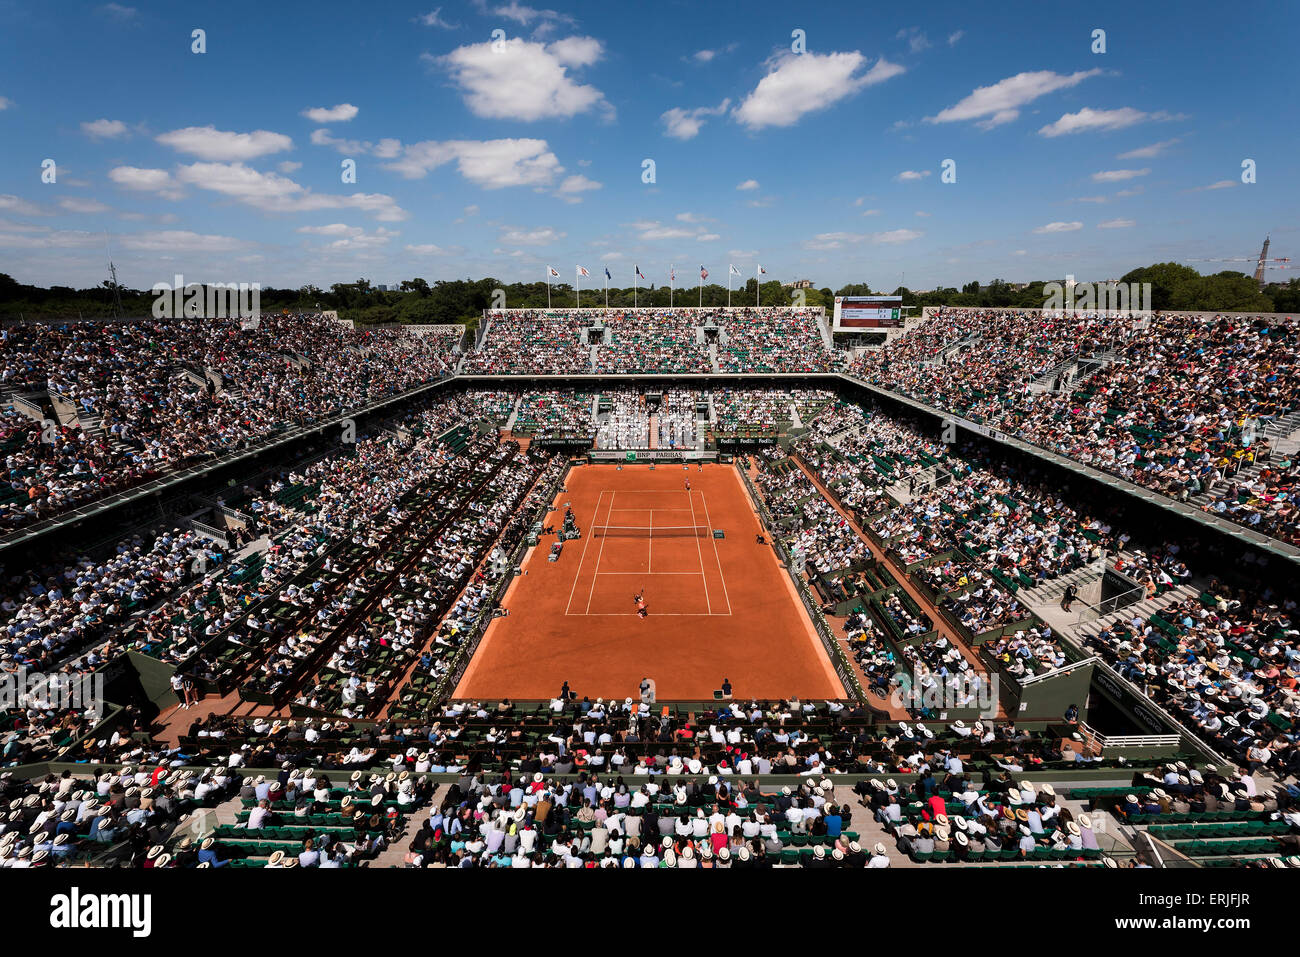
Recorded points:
1059,227
288,166
331,114
897,236
807,82
525,15
652,231
427,249
357,238
279,194
574,185
1149,152
146,180
321,137
685,124
1119,175
182,240
871,212
15,204
579,184
75,204
491,164
104,129
704,56
1000,103
911,175
1221,184
748,184
915,37
520,236
1088,120
707,238
210,143
1116,224
434,20
119,12
5,103
921,212
838,240
332,230
526,80
954,37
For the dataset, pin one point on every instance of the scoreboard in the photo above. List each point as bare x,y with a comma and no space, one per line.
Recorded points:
868,312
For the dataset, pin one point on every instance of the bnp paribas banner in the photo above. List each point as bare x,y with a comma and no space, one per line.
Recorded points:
651,455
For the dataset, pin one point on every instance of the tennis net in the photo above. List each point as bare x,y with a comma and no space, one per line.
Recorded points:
648,531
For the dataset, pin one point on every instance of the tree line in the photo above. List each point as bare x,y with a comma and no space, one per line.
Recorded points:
1173,287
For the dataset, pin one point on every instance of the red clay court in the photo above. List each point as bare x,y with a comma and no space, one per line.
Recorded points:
717,607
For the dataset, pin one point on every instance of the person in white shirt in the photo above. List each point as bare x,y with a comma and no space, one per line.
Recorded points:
258,816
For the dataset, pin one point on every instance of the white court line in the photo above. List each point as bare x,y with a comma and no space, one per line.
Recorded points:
650,545
662,614
583,557
650,573
639,491
599,553
660,508
708,602
709,525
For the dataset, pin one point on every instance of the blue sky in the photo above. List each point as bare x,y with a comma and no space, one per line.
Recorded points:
479,158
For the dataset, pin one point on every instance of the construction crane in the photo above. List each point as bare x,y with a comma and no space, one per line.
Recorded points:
1262,262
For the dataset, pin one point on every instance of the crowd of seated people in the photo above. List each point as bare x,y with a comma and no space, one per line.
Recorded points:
170,598
945,816
750,410
808,524
653,340
556,414
1226,661
627,425
647,340
445,590
996,527
142,397
1177,406
773,339
531,342
583,783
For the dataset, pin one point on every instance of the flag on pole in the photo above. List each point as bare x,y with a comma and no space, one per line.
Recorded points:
734,270
762,271
704,274
553,273
607,275
582,271
638,272
672,274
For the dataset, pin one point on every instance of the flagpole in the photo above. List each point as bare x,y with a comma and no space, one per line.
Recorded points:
634,286
577,285
671,278
757,282
548,287
607,290
728,285
701,289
